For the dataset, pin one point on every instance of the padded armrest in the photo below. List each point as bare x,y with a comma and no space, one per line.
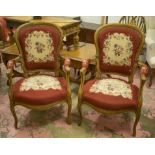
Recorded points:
143,71
66,64
85,64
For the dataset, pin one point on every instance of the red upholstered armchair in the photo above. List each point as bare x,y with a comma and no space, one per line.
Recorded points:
39,45
117,49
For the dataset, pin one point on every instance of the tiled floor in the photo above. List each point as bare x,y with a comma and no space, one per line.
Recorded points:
52,123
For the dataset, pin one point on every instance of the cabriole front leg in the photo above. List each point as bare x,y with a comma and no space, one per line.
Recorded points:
80,112
138,113
69,103
12,108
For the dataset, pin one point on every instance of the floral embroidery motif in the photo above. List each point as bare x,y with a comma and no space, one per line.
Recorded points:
112,87
40,82
117,49
39,47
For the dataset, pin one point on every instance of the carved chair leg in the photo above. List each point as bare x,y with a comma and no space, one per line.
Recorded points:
136,122
80,112
69,103
151,76
12,108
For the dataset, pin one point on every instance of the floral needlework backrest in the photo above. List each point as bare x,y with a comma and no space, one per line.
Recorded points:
118,48
40,45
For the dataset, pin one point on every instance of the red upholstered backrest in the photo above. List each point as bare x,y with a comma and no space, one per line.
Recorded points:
118,47
39,45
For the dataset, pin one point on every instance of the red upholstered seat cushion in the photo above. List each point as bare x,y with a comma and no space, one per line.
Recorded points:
39,97
109,102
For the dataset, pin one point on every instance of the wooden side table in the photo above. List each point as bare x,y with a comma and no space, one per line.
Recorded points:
87,31
76,56
87,51
69,26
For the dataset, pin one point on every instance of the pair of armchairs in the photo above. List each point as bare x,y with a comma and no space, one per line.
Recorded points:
117,50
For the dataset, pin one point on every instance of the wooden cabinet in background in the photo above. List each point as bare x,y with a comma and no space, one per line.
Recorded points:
87,31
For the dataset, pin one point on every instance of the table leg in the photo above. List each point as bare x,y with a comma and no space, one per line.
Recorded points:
76,40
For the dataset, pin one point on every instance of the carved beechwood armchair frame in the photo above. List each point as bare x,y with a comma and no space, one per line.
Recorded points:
27,36
104,33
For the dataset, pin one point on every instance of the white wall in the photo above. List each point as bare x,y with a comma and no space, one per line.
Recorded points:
91,19
113,19
97,19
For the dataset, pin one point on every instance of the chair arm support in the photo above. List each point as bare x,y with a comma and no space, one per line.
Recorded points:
143,77
10,67
66,68
143,70
83,70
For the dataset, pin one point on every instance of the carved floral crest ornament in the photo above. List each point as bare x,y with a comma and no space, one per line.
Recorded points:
40,82
117,49
113,87
39,47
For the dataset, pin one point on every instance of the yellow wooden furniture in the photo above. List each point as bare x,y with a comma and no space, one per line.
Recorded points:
117,49
75,55
70,27
39,54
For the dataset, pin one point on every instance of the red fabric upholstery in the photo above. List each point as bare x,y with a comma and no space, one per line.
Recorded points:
39,97
3,30
54,34
109,102
136,40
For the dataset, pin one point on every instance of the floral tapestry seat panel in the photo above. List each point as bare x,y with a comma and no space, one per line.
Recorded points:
112,94
40,89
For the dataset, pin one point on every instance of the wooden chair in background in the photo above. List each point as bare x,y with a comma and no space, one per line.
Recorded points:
139,21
